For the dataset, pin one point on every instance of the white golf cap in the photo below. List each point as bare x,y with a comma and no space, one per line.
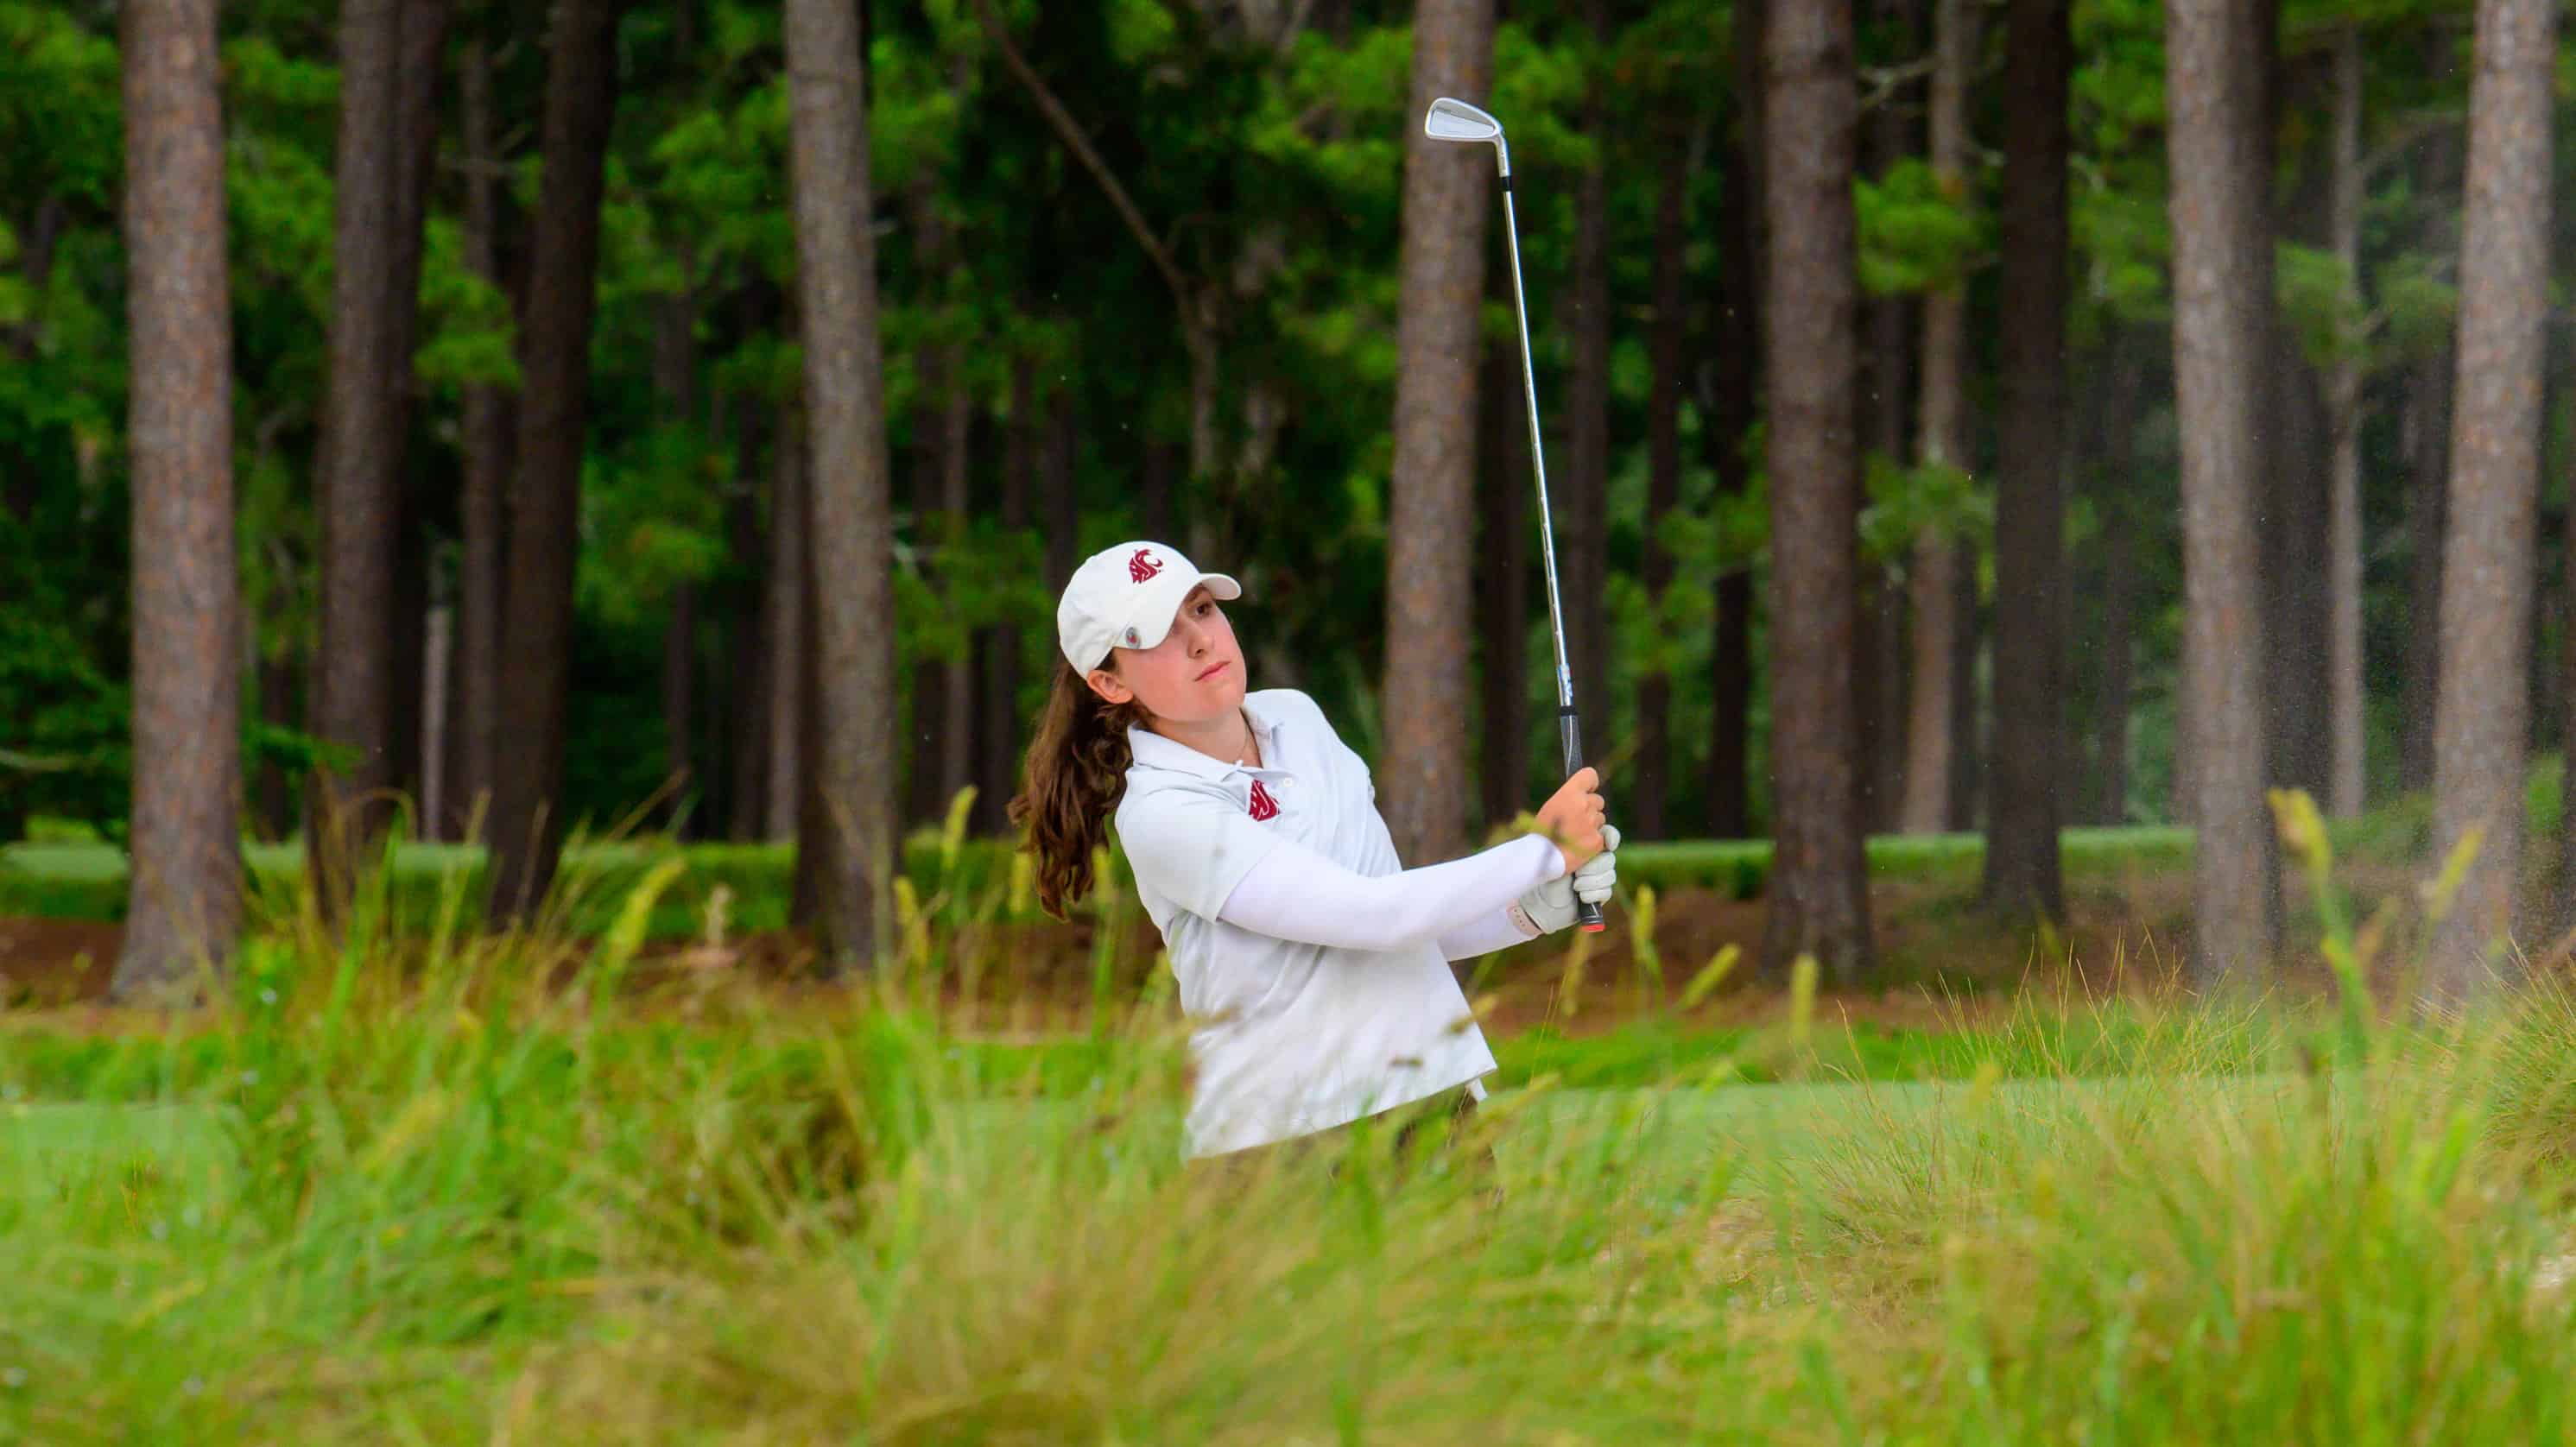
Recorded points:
1126,597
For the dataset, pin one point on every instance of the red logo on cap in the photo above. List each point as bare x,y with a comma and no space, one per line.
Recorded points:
1263,806
1143,566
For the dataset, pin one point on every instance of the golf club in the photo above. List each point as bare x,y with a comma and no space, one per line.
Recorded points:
1455,120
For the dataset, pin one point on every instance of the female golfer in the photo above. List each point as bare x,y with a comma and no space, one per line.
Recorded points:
1313,966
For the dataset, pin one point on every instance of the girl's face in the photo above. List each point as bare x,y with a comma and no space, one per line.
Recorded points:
1195,675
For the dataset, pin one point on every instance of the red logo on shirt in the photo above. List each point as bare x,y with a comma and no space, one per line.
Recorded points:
1263,806
1143,566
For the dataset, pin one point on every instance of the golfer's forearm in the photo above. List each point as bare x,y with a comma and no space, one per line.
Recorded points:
1294,894
1497,931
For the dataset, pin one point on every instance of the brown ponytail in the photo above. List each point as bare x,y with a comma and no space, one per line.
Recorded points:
1072,780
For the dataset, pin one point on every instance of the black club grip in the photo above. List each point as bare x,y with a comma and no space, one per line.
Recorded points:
1587,915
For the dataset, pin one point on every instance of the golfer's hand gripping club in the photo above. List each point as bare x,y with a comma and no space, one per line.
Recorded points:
1587,913
1575,820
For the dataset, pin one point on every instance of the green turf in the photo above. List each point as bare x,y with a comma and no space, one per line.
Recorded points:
87,880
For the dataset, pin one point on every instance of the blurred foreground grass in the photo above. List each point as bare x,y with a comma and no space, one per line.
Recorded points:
467,1209
496,1196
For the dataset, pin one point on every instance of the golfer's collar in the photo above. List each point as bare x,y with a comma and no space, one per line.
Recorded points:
1157,752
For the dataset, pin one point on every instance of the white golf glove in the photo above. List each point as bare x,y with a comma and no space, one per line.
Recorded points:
1550,907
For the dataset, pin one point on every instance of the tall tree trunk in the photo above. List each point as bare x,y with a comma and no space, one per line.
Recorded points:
581,98
809,812
679,694
2022,874
420,54
931,722
1733,408
2344,573
2562,905
749,633
1651,793
1582,507
1056,482
273,805
184,905
1423,780
481,582
2482,708
2119,604
2222,270
361,455
1819,881
956,504
406,644
2295,564
998,691
1878,680
852,523
1161,462
1502,588
438,662
1967,736
784,610
675,380
957,675
2426,429
2118,428
939,722
1941,440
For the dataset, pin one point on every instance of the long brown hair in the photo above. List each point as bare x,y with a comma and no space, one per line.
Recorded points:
1071,782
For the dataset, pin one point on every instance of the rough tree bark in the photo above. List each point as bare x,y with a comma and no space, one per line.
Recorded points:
943,720
1734,375
1967,731
956,431
581,96
2119,586
675,379
932,722
1058,485
957,676
851,519
1582,495
783,613
1819,882
998,742
2119,604
1651,792
360,463
2343,422
185,834
2481,713
1503,588
481,583
2425,429
2222,271
1886,379
1160,463
2022,874
279,680
1448,191
1941,440
747,740
421,52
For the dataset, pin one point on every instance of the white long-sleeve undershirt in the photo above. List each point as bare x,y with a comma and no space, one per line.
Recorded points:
1295,893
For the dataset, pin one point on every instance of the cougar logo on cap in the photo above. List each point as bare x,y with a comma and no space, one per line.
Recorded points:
1142,567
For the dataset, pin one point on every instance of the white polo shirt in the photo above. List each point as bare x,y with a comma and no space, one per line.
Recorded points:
1288,1038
